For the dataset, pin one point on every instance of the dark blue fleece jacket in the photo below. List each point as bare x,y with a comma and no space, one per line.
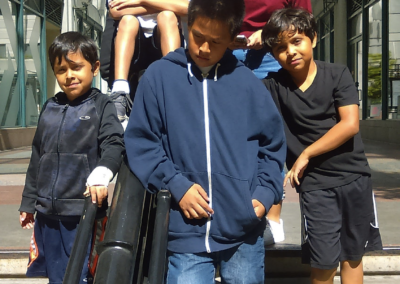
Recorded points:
221,131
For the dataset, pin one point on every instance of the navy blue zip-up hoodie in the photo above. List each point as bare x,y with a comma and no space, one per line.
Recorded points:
221,131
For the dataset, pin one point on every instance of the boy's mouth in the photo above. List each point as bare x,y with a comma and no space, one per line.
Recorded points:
202,58
295,61
72,85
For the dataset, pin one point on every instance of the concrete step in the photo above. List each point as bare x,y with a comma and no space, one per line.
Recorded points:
24,280
388,279
284,260
281,262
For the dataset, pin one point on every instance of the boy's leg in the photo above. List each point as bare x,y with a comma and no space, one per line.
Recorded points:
321,225
188,268
128,29
168,31
351,272
125,39
322,276
245,263
360,231
68,230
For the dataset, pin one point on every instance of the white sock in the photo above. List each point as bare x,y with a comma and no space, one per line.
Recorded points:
120,86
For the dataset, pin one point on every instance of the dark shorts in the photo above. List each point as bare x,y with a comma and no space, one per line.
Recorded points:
146,52
339,224
50,248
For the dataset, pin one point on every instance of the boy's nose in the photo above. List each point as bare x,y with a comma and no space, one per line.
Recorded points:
290,50
205,48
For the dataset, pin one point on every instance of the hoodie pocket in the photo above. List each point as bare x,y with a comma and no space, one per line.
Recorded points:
47,174
71,181
234,215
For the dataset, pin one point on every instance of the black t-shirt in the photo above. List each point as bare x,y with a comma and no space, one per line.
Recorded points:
309,115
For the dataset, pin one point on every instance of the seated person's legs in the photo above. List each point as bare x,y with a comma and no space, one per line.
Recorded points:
168,30
124,49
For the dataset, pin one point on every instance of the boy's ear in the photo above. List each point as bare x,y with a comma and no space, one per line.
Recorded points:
96,68
314,41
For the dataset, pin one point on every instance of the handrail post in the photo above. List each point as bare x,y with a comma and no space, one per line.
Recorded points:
118,250
81,243
160,239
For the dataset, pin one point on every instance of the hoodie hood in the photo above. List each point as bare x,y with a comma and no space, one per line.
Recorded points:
226,65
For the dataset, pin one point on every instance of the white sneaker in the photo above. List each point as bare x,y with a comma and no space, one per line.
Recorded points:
277,230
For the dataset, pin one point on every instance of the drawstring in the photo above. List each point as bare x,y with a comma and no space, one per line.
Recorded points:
216,69
189,67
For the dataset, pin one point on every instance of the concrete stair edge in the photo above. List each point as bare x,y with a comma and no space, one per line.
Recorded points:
278,263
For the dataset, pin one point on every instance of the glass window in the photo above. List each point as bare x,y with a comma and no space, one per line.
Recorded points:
33,63
9,95
356,26
375,61
394,60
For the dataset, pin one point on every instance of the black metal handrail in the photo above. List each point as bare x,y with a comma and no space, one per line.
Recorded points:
160,239
118,250
134,247
81,243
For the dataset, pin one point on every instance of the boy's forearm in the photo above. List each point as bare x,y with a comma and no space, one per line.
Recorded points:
335,137
179,7
134,11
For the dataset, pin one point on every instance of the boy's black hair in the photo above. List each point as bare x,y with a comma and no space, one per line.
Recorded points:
73,42
291,20
230,12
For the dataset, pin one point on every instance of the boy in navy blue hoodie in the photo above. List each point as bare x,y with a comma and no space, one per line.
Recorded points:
206,129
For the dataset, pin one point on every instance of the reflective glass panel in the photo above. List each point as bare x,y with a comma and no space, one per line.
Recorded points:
394,60
9,90
375,62
33,63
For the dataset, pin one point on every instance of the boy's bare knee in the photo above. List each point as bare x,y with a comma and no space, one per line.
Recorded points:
322,276
167,17
128,22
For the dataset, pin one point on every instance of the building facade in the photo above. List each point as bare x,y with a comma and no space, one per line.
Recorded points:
365,36
27,28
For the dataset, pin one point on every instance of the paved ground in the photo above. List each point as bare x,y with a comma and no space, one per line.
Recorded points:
384,160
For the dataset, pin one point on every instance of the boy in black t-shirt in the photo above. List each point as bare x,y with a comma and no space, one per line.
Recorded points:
325,158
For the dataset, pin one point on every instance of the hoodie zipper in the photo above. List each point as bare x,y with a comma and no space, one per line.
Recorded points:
208,150
64,111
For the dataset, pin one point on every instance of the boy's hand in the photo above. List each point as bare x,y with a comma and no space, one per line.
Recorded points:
255,41
297,170
194,203
121,4
259,208
26,220
98,193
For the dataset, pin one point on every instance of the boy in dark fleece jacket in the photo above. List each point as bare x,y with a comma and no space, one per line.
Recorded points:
206,129
78,143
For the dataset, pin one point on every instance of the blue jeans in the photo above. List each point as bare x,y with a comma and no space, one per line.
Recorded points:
258,61
241,264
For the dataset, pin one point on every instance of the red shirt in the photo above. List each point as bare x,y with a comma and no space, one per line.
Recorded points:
258,12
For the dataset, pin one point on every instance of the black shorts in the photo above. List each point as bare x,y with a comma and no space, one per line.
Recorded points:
339,224
146,52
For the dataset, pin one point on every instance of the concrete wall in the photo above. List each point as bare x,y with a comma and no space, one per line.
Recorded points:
16,137
381,130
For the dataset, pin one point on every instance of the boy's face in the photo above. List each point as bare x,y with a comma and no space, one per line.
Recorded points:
208,41
75,76
294,52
